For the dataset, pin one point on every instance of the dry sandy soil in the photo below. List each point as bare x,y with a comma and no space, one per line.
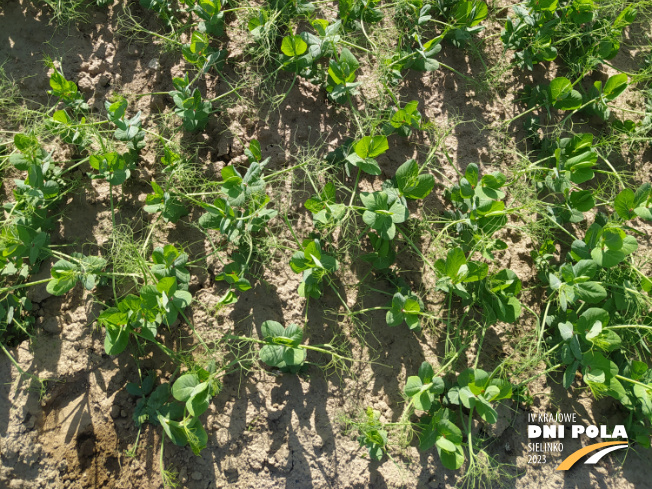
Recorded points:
265,431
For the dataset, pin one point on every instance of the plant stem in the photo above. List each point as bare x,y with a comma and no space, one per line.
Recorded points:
636,382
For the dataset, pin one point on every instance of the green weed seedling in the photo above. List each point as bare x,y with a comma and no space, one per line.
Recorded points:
590,344
607,244
404,308
464,19
325,211
495,294
530,33
340,83
382,212
574,283
261,25
162,8
598,96
168,261
329,38
476,389
190,107
41,184
364,153
372,436
315,266
243,209
281,348
66,273
422,389
384,252
239,189
480,210
456,271
574,159
411,183
142,314
69,130
562,94
233,274
129,131
65,90
200,53
540,30
167,204
440,431
420,56
211,15
439,403
292,49
179,417
234,223
404,121
355,13
112,167
589,36
630,204
24,240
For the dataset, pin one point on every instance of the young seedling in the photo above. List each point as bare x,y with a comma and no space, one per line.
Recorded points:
66,273
382,212
341,84
315,266
168,205
323,207
127,130
365,152
190,106
372,435
281,350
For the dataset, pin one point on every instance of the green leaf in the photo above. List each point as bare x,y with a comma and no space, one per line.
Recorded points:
367,165
294,356
486,411
445,444
413,386
572,101
625,204
630,245
371,147
294,333
196,435
584,270
272,329
293,46
582,200
199,399
116,339
174,430
471,13
272,355
569,374
64,277
184,386
410,183
607,258
472,174
591,292
452,461
615,86
560,87
455,260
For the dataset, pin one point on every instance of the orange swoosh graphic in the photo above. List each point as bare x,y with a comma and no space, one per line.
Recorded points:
575,456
